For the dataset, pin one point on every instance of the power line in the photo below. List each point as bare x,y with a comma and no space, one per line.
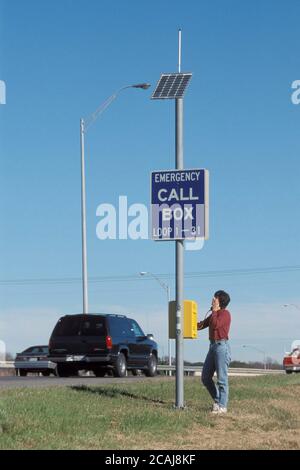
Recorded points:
167,276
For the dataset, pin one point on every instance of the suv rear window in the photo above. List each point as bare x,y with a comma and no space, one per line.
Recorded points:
68,326
93,327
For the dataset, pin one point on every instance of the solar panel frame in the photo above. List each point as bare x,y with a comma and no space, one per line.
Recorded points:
171,86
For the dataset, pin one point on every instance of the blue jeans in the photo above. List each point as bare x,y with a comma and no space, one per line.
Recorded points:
217,360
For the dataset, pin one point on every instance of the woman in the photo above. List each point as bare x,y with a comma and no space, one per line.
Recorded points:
218,357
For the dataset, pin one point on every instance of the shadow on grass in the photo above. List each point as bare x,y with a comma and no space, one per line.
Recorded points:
116,393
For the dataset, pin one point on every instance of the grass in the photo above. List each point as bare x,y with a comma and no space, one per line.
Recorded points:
263,414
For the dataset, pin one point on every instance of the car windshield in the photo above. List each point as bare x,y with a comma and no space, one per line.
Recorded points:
36,350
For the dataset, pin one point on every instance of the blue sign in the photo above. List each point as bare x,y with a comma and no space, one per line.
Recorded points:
179,204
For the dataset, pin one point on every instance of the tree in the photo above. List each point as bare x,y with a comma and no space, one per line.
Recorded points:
9,357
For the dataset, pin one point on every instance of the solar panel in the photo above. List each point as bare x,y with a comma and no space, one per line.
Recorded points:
171,86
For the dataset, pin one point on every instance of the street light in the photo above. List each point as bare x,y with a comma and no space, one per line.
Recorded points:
292,305
84,126
166,288
259,350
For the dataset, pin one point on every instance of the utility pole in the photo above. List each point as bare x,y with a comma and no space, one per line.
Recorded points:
165,221
179,255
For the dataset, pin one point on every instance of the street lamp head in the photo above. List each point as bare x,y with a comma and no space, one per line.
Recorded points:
144,86
292,305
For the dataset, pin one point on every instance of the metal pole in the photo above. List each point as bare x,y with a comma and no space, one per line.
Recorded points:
179,258
83,222
169,340
179,51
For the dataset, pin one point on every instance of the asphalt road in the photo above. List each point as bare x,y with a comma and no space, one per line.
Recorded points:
38,382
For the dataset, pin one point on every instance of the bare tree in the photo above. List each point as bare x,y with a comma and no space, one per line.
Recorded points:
9,356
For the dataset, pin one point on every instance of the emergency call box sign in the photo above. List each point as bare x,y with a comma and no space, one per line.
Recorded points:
179,204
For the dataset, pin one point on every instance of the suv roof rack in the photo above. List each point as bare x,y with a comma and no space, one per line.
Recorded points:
99,313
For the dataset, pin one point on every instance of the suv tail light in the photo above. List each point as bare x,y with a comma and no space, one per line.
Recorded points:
108,342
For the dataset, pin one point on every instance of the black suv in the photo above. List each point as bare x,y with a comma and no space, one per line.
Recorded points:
101,342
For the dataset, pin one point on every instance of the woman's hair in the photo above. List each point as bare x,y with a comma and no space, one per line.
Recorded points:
223,298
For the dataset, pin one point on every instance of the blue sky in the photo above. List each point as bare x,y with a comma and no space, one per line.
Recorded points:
60,60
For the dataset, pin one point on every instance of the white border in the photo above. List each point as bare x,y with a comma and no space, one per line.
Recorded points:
206,206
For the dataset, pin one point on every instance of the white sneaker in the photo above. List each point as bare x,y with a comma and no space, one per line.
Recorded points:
221,410
215,408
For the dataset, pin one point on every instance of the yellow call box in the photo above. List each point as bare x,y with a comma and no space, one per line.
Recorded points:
189,320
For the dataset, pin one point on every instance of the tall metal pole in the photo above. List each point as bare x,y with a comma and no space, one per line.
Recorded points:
169,340
83,222
179,256
179,51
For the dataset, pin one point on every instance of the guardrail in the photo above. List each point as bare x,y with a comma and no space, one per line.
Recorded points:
196,370
188,370
7,368
7,364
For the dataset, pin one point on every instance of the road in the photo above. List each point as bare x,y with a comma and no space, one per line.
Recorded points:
38,382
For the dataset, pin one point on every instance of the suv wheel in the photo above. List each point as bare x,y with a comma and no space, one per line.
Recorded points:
151,370
120,366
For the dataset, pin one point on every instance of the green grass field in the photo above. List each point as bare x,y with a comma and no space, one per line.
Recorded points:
263,414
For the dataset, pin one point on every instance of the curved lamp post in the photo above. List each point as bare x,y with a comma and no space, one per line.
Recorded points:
84,126
259,350
292,305
166,288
